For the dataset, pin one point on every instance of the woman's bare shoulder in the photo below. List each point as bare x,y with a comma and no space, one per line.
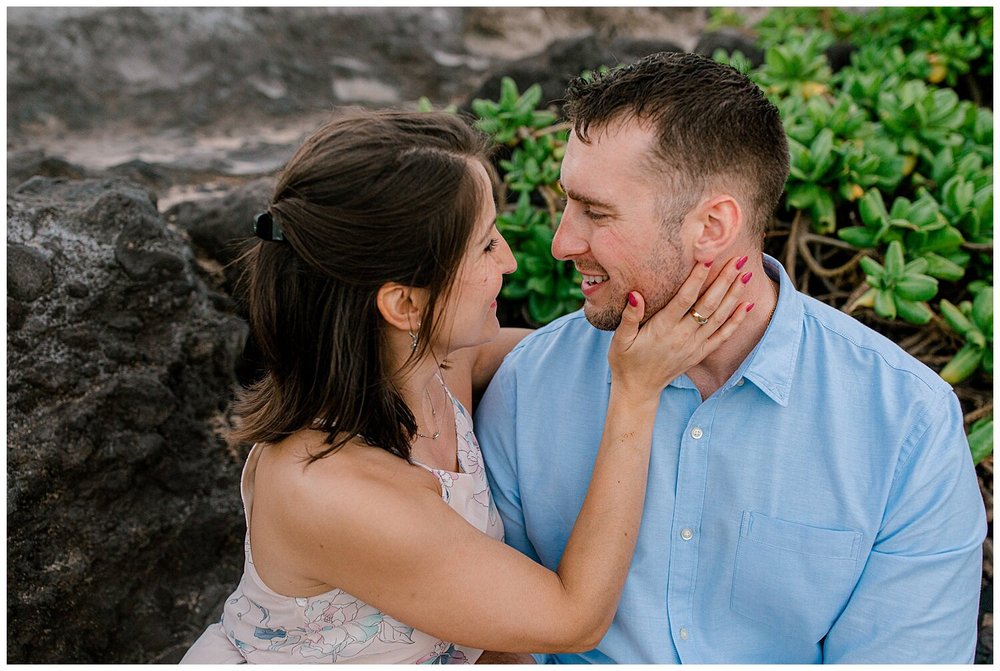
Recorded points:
354,470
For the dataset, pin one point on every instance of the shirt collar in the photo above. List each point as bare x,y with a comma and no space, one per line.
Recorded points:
772,363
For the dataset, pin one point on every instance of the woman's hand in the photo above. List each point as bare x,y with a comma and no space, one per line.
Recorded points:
645,358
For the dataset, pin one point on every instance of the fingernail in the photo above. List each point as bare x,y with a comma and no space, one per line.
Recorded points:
741,262
708,264
746,278
750,307
632,300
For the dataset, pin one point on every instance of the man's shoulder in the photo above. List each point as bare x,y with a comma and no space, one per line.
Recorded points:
572,328
567,346
864,344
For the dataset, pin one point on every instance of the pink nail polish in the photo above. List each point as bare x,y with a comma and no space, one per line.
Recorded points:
632,300
746,278
741,262
750,307
708,264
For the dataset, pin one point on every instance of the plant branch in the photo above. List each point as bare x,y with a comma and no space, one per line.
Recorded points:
815,266
550,201
554,128
791,245
852,301
978,413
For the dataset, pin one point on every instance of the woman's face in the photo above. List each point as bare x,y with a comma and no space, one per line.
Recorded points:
469,316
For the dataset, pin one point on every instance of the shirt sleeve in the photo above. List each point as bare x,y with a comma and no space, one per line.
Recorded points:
917,600
497,435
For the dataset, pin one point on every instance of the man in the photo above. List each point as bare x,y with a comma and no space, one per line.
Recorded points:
811,494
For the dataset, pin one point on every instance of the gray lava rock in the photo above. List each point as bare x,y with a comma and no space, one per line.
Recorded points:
28,273
122,496
220,227
24,164
191,67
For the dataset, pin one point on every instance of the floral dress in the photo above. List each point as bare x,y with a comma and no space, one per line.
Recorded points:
266,627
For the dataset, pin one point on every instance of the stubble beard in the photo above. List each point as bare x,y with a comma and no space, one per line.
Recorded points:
666,264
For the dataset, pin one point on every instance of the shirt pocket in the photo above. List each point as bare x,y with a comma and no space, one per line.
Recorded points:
793,577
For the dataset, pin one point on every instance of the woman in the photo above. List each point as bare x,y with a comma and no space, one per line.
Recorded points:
371,534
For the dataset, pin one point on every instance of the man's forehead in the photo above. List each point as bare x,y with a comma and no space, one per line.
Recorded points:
623,152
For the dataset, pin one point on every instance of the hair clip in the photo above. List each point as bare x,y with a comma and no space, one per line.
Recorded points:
266,229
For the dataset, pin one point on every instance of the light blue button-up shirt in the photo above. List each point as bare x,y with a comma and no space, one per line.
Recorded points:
821,506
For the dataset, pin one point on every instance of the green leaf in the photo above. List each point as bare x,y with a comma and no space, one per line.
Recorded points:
885,306
942,268
963,364
529,99
508,93
542,284
981,439
943,239
915,267
871,267
872,208
542,118
823,212
912,311
802,196
982,311
954,317
894,259
484,108
515,291
544,309
822,153
916,287
859,236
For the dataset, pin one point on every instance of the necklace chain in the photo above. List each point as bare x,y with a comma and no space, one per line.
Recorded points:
437,426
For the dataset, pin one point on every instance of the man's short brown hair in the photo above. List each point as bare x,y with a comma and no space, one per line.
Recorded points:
714,125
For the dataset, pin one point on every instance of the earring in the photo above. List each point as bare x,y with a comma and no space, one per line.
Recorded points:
413,338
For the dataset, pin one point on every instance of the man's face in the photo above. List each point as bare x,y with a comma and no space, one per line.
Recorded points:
620,227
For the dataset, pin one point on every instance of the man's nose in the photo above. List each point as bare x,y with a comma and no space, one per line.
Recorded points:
568,242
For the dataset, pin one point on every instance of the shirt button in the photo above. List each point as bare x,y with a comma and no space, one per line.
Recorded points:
683,633
697,433
739,382
687,534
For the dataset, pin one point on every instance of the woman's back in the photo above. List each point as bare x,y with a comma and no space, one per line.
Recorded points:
334,626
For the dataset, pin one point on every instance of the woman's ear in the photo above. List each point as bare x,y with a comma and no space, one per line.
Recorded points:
401,305
722,223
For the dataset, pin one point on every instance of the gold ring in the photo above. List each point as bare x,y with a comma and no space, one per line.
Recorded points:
698,318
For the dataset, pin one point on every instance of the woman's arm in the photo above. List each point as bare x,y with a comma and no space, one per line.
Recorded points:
470,370
372,533
490,355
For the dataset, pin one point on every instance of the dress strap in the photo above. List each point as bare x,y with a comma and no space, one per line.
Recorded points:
247,481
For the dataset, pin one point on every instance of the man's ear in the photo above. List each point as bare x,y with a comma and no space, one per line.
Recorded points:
401,305
722,222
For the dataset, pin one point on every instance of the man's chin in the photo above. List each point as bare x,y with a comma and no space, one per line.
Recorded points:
605,319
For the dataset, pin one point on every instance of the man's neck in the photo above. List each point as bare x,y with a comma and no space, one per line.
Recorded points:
719,366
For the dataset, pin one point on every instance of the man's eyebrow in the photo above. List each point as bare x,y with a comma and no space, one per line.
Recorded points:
586,200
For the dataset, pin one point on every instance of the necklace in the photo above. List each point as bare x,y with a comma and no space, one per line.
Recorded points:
437,427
